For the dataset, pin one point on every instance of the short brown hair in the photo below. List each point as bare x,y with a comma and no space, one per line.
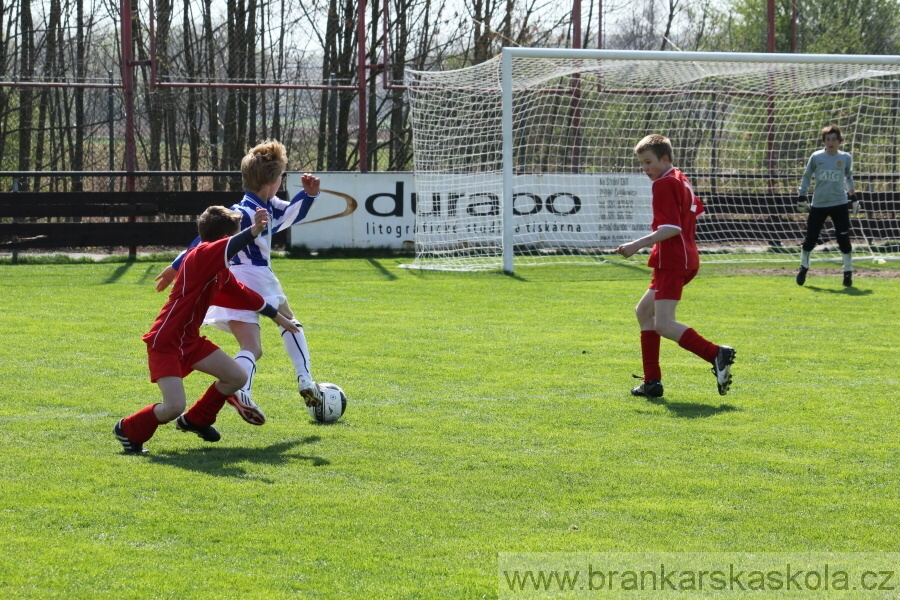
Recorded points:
659,145
218,222
832,129
263,165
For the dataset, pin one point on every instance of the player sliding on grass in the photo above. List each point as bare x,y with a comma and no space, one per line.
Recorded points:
831,168
675,261
262,170
174,344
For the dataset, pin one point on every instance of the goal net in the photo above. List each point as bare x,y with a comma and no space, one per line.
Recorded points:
529,158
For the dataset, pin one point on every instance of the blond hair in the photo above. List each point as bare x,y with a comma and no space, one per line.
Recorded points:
264,164
659,145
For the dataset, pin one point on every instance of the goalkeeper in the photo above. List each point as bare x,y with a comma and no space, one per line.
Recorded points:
833,197
675,261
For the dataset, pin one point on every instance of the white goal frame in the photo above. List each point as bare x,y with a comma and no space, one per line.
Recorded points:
508,87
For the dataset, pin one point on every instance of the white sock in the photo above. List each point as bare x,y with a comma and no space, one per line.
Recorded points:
298,351
246,359
848,261
804,258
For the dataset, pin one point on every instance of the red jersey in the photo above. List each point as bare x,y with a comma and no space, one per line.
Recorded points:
203,279
675,205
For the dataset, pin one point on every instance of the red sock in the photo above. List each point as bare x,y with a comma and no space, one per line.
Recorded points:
141,426
693,342
204,410
650,354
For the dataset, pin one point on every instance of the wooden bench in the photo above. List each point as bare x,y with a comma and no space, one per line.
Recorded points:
52,220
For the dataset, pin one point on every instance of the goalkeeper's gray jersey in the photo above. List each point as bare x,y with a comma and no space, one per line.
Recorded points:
830,173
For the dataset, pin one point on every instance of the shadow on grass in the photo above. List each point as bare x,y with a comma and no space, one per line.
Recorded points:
850,291
691,410
226,462
119,272
381,268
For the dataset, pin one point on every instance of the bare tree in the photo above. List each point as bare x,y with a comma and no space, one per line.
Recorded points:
26,69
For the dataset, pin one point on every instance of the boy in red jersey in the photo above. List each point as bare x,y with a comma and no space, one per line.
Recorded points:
174,344
675,262
262,171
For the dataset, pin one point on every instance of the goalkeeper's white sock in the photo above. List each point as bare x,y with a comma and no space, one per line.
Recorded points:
298,351
246,359
804,258
848,261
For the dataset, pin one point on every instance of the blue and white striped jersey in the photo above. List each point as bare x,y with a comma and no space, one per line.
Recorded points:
282,214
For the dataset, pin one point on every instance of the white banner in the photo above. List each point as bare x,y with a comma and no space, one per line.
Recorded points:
357,210
378,210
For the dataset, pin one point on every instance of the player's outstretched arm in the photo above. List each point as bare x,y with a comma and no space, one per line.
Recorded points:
260,220
286,323
165,278
628,250
663,233
270,311
310,184
241,240
171,272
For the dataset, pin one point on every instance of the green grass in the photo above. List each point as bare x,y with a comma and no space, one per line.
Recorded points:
487,414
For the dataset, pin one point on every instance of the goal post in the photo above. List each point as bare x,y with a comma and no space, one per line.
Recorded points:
528,158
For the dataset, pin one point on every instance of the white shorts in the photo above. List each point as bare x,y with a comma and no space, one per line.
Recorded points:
261,280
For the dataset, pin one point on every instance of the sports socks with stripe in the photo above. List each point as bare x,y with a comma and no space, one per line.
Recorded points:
297,349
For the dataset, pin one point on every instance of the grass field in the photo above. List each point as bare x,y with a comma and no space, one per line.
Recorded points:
488,414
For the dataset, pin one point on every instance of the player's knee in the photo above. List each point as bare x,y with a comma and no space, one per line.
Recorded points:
667,327
233,381
664,329
843,241
169,410
642,313
255,348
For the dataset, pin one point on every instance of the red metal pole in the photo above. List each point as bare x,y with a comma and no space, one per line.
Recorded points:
793,26
600,25
770,14
576,24
128,89
361,81
576,90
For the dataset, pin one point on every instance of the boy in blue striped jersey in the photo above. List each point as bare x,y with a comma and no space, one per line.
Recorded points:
262,170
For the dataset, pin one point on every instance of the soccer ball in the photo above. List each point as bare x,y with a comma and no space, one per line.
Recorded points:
334,402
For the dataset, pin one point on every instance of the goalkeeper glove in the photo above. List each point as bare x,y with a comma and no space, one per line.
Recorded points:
802,204
854,206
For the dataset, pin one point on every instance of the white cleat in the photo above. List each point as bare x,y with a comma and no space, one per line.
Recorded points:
310,392
247,408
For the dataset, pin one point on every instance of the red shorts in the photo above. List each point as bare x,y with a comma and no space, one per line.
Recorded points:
669,283
168,364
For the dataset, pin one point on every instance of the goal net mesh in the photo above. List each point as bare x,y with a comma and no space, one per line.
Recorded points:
742,131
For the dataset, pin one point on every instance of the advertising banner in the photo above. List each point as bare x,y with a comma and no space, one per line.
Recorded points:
357,210
378,210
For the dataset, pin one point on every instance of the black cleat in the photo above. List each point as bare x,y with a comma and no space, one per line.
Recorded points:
129,446
207,434
801,275
722,368
649,389
848,278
